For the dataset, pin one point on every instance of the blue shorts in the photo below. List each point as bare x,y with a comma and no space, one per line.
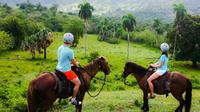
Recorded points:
160,72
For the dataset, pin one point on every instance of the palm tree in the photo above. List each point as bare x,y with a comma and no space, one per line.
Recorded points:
129,24
85,13
180,11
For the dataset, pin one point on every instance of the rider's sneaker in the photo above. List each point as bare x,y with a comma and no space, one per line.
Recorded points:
151,97
75,102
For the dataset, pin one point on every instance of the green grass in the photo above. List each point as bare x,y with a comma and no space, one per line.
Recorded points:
128,101
17,69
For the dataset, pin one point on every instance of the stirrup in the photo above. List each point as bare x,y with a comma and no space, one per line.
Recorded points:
151,97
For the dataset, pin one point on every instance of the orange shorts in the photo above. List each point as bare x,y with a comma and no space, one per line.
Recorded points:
70,75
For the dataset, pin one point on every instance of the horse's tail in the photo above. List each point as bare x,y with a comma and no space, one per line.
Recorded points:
32,98
188,96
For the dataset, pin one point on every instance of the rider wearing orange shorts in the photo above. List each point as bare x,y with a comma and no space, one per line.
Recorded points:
65,59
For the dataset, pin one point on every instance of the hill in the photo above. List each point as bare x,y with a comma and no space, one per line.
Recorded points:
143,9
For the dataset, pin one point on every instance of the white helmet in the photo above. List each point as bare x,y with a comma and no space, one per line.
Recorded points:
68,38
164,47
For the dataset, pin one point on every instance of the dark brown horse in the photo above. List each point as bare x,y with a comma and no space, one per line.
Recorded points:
41,92
177,86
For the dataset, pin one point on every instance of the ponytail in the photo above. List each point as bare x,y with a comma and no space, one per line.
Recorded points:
165,53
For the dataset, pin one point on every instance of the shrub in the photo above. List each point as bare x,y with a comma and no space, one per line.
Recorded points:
6,41
149,37
113,40
93,55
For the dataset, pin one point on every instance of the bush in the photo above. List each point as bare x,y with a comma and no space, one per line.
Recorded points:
113,40
93,56
149,37
6,41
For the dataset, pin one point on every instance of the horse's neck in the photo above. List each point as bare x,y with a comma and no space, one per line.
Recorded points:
139,75
92,69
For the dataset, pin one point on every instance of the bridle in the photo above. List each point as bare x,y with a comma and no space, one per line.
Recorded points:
89,84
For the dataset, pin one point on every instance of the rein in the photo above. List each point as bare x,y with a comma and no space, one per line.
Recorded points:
89,84
129,84
99,90
126,83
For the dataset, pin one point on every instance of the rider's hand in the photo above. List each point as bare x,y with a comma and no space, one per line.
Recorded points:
152,65
77,63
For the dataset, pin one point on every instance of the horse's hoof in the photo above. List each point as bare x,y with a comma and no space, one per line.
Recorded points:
145,109
178,111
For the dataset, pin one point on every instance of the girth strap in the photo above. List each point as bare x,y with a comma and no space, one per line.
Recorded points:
58,83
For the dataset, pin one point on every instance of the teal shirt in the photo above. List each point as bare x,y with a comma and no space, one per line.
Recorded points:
163,59
65,55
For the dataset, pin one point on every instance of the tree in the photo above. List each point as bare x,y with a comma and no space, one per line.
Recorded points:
188,44
30,43
55,25
129,24
108,28
6,41
54,9
39,7
45,40
157,26
85,13
39,41
76,27
180,11
12,26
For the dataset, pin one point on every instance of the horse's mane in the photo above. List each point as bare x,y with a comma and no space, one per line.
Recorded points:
137,68
89,65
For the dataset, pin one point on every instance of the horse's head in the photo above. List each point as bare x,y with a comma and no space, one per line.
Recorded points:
103,65
127,70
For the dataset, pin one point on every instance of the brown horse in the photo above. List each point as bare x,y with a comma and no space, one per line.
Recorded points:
41,92
177,86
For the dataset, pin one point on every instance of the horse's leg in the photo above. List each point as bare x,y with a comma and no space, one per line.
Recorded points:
32,99
79,107
32,104
145,106
47,103
179,97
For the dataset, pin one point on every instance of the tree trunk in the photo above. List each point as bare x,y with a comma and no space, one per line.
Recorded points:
45,53
128,49
156,39
33,53
177,34
86,44
194,64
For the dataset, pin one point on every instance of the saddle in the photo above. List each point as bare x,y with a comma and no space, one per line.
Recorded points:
162,83
64,86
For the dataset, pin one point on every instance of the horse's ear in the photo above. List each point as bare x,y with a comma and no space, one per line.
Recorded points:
102,58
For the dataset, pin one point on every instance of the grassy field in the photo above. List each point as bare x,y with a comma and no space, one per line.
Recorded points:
17,69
